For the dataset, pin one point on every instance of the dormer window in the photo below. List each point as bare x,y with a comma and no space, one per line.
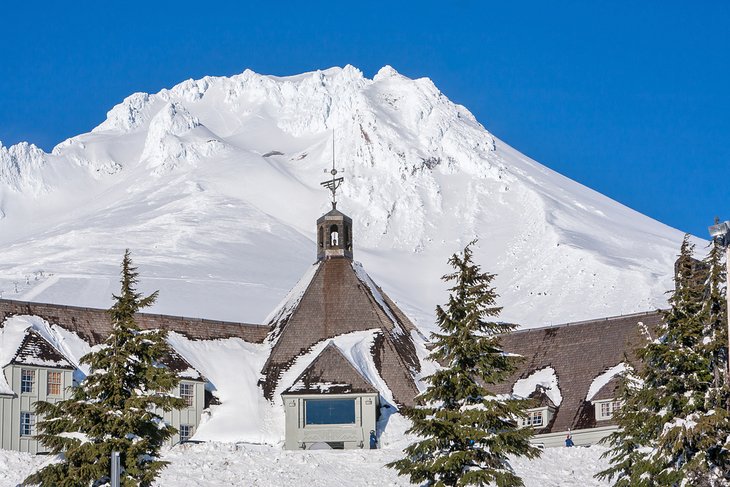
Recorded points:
537,417
606,409
533,418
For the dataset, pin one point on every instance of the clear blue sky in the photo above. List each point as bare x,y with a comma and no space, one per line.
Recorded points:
629,98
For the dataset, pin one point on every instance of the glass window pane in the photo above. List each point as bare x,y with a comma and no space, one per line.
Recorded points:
27,420
54,384
187,392
27,377
330,411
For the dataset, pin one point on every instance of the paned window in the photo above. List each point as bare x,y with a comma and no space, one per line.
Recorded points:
27,378
54,383
187,392
533,418
27,424
329,411
186,431
608,408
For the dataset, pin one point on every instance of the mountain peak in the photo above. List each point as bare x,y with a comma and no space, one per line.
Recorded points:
386,72
226,220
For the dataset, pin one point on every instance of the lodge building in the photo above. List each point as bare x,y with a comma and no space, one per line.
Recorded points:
332,398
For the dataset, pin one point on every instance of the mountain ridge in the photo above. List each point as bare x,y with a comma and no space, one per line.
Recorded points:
213,183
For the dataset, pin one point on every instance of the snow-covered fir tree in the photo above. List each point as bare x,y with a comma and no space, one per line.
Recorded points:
115,408
674,418
627,445
465,431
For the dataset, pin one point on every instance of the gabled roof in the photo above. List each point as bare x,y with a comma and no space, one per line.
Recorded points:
330,373
20,344
579,353
608,391
539,399
36,351
338,297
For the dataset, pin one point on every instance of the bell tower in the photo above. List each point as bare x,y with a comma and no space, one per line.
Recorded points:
334,228
334,235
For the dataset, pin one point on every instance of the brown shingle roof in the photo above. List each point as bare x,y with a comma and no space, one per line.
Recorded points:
35,350
330,373
338,301
579,353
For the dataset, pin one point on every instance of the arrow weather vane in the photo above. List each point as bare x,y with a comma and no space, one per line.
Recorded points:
335,182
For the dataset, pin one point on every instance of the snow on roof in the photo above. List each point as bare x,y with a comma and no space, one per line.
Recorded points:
232,366
331,373
365,279
13,333
604,379
546,378
356,347
282,312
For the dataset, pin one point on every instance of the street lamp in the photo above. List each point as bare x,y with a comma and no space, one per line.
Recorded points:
720,232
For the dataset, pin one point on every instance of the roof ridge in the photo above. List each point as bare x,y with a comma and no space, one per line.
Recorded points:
584,322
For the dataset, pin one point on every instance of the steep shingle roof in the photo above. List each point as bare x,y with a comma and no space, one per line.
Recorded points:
579,353
340,298
330,373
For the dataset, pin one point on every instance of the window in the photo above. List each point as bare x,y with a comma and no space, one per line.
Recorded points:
54,384
606,409
27,422
329,411
27,378
186,431
187,392
533,418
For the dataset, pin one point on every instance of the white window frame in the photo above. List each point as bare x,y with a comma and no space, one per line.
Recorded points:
187,392
27,423
190,433
27,386
54,373
606,409
531,416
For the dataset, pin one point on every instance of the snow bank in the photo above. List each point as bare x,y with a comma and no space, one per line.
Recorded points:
545,378
233,367
226,464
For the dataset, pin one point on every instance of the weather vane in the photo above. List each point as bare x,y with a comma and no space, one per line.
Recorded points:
335,182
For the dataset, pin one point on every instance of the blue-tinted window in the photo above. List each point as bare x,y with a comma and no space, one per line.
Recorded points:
330,411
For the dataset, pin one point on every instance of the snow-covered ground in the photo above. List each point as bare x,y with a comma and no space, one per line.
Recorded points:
214,186
227,464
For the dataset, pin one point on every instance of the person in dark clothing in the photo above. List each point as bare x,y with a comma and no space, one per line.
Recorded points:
569,440
373,440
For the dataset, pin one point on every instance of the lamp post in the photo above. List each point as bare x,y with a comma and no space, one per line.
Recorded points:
721,233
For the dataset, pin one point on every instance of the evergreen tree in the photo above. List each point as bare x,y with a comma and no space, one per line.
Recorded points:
115,407
627,445
711,465
674,419
465,431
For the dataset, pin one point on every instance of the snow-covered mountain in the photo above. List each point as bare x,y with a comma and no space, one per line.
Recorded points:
214,185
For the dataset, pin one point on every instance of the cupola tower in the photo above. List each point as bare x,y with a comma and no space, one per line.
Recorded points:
334,228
